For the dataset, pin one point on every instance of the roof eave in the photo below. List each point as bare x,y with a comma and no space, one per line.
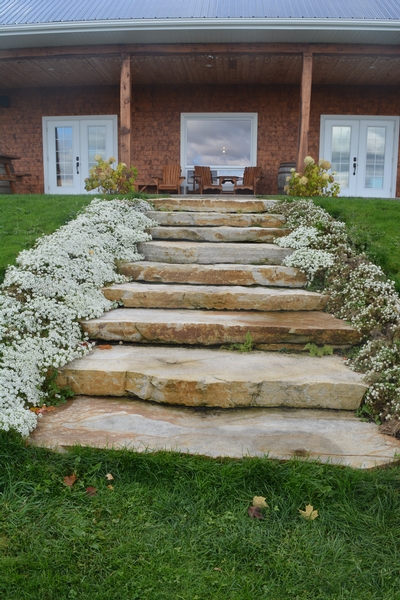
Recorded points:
37,32
199,24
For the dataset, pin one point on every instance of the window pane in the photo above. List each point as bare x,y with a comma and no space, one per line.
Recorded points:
64,158
376,142
341,155
219,142
96,143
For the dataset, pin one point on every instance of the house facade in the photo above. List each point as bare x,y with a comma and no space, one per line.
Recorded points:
223,84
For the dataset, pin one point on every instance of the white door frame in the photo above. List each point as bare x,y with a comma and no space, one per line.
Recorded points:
367,119
65,121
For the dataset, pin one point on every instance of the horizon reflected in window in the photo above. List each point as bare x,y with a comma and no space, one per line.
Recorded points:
219,142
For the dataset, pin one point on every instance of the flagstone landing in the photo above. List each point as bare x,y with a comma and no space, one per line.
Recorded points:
335,437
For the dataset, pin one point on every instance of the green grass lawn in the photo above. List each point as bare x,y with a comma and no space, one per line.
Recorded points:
374,227
176,527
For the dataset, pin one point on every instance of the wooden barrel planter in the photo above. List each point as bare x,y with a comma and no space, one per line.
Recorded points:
283,172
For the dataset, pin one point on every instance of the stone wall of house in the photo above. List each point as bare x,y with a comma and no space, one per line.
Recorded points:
156,114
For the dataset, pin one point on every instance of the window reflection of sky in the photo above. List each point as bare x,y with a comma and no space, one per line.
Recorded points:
219,142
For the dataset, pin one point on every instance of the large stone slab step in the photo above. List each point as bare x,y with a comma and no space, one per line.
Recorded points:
209,219
216,274
205,377
215,204
213,252
151,295
208,328
332,436
218,234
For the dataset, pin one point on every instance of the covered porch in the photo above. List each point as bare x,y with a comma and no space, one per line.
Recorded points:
298,92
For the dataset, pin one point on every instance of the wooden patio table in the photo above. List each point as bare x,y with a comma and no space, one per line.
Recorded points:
227,179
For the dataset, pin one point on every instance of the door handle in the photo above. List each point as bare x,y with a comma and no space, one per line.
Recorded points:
354,165
77,165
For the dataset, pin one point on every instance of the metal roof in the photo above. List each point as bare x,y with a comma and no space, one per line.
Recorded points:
13,12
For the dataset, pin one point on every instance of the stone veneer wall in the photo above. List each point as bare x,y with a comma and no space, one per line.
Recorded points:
156,120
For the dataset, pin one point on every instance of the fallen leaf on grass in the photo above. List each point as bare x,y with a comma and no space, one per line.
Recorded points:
309,513
260,502
91,491
109,477
110,487
69,480
254,512
39,410
105,347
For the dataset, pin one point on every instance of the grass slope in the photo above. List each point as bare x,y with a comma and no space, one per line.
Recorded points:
373,226
176,527
24,218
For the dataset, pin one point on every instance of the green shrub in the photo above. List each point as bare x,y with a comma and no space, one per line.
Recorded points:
315,181
106,179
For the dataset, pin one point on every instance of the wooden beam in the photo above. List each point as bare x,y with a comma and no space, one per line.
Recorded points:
305,105
126,109
165,49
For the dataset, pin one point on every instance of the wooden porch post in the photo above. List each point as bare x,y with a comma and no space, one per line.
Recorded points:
125,109
305,104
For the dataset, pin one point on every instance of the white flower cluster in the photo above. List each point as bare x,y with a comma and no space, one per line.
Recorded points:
55,285
366,298
301,237
315,226
304,213
310,261
358,291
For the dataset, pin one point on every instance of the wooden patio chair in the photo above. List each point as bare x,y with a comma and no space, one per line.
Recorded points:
250,178
202,176
171,180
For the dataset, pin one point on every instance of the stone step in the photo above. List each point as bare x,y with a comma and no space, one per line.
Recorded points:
218,234
213,252
206,377
208,328
332,436
153,295
220,204
209,219
217,274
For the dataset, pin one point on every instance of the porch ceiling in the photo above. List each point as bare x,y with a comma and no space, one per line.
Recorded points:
203,69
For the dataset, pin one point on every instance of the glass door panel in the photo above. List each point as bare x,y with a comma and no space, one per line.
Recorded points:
64,156
341,137
63,175
96,143
96,138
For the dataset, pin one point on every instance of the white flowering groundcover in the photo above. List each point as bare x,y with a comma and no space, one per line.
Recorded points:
359,292
54,286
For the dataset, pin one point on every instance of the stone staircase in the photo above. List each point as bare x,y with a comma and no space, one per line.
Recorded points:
212,274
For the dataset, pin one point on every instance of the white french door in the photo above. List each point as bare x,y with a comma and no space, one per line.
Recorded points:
70,145
363,152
